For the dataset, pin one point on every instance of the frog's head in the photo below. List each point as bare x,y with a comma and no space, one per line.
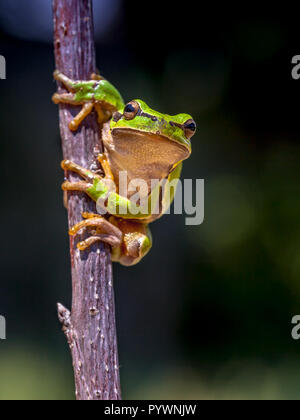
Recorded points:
137,117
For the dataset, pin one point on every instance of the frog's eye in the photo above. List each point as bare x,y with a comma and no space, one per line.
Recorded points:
190,128
131,109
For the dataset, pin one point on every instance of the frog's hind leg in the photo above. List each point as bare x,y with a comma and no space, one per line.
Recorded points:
96,76
137,242
110,240
102,231
137,245
70,98
98,223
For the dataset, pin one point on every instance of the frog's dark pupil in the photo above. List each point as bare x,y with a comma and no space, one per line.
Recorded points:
191,126
129,108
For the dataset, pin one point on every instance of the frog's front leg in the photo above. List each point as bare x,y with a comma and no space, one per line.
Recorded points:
69,98
60,77
94,185
71,84
80,93
102,187
89,176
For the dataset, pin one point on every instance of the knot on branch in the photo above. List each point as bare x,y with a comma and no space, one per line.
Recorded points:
64,316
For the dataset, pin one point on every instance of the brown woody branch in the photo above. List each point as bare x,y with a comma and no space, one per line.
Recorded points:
90,327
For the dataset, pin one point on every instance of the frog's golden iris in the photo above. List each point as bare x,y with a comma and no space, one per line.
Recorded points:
131,110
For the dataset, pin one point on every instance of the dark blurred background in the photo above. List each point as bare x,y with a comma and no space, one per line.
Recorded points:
208,313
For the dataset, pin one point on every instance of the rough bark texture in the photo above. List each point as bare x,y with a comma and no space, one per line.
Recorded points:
90,327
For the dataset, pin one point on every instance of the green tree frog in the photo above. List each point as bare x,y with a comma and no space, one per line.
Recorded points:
144,143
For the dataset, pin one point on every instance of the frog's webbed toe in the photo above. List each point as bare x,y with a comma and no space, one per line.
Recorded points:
85,111
71,99
89,176
64,98
108,239
102,231
129,245
96,76
66,81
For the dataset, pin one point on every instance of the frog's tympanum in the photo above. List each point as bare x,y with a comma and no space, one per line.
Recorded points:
145,144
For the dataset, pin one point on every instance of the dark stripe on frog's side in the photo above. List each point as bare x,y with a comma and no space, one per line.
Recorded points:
163,122
146,115
173,123
117,116
152,117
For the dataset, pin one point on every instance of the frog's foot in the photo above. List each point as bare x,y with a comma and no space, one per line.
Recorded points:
89,176
85,111
87,108
103,115
94,185
69,98
102,231
69,83
80,186
96,76
86,100
64,98
129,241
60,77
